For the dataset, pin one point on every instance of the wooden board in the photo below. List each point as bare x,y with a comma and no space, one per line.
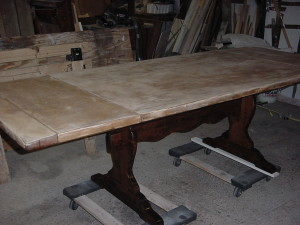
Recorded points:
88,102
25,19
24,129
162,87
68,112
10,18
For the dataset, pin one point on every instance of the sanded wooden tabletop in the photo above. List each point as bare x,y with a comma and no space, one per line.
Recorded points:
39,112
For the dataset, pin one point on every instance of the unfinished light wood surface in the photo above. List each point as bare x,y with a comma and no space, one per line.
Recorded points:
167,86
65,111
84,103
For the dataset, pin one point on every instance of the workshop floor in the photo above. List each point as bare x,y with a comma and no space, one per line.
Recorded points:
34,196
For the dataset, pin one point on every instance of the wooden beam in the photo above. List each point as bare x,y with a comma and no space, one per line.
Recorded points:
4,171
158,200
208,168
17,55
96,211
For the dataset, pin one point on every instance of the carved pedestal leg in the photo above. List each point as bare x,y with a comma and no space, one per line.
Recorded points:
237,140
120,180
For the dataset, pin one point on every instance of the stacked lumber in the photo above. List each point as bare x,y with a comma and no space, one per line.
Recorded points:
194,28
243,18
39,55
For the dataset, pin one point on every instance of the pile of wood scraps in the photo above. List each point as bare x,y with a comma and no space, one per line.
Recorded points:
243,18
197,29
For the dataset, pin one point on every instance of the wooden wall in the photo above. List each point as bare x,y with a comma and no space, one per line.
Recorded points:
15,18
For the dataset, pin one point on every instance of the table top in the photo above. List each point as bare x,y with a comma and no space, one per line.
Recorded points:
44,111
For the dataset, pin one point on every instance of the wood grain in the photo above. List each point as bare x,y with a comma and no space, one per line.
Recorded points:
64,109
162,87
25,130
88,102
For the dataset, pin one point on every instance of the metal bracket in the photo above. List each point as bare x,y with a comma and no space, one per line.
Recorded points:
76,55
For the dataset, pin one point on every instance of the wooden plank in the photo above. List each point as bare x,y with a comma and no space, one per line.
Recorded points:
77,65
24,17
207,167
156,88
202,33
68,111
65,49
19,64
186,25
46,40
4,170
157,199
22,73
9,17
15,121
242,19
15,72
196,26
233,157
113,47
176,26
55,68
96,211
43,62
17,55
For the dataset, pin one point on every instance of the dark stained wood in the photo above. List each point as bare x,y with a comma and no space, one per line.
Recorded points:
122,145
237,140
120,180
9,17
25,17
91,8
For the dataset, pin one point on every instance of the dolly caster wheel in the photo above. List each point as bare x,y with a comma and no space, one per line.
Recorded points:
207,151
237,192
268,178
73,205
176,162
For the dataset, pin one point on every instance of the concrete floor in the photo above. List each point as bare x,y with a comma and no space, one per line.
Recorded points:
34,196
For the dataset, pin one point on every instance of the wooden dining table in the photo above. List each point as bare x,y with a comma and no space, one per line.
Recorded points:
144,102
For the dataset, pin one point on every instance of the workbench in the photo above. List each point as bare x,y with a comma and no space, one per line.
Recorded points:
144,102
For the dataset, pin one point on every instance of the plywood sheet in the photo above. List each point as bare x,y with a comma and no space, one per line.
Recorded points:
162,87
68,111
